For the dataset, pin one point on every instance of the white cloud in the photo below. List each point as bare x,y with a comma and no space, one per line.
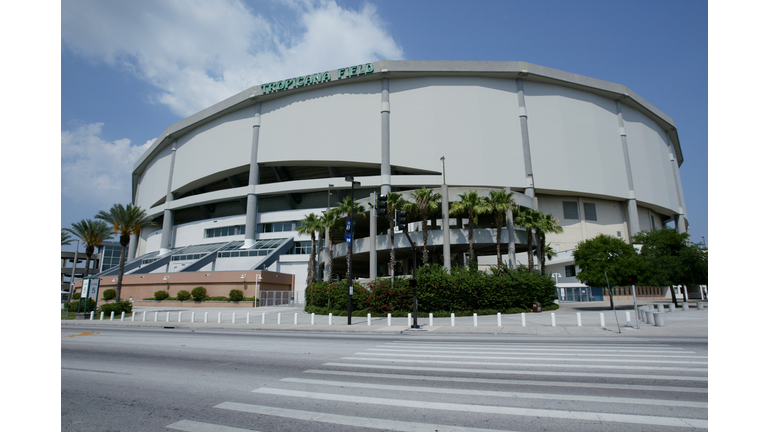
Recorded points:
197,53
94,171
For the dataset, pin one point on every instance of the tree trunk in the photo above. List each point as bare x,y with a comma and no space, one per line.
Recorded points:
123,253
542,252
471,239
311,266
392,249
425,253
530,251
499,220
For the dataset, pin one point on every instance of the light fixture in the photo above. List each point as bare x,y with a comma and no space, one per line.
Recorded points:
165,278
242,277
207,274
259,277
114,280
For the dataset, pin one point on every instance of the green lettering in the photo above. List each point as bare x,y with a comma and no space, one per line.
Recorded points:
353,71
340,73
369,68
264,88
299,81
326,76
316,78
288,82
280,85
271,87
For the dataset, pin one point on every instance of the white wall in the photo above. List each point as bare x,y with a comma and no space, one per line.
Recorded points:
153,183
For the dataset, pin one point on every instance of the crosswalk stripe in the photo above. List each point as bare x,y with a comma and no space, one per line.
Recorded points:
520,372
569,357
535,345
487,409
578,398
193,426
358,422
560,365
627,387
577,353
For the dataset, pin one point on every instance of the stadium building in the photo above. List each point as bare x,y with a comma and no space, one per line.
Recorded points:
228,186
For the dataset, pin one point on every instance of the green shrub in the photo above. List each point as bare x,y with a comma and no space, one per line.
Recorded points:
109,294
72,306
199,293
235,295
333,295
183,295
216,298
117,307
161,295
76,296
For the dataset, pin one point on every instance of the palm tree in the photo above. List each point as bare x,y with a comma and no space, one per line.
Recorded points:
350,208
330,220
66,239
425,202
395,201
125,220
91,233
547,224
498,203
473,205
310,225
529,219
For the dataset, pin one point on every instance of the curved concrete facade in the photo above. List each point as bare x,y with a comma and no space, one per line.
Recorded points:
547,135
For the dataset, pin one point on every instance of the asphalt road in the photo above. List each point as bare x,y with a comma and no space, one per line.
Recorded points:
152,379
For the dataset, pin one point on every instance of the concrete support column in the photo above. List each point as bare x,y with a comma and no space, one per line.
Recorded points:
446,230
680,216
680,224
511,257
131,248
373,258
634,220
386,169
523,114
252,203
165,238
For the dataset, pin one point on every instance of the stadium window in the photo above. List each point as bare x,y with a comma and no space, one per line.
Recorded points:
570,271
570,210
590,212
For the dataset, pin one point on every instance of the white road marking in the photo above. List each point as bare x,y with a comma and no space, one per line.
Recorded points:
518,372
359,422
555,352
654,388
486,409
505,394
193,426
560,365
570,357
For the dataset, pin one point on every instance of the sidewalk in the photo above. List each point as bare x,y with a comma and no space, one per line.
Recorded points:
690,323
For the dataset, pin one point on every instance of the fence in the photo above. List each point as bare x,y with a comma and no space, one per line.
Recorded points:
278,298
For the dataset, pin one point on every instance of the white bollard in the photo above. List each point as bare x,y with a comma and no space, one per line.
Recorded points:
498,319
410,322
248,318
330,319
206,318
658,319
279,318
92,315
700,306
389,320
295,318
369,319
553,319
522,315
671,307
133,316
474,319
660,307
193,317
180,313
602,319
649,317
578,319
144,316
430,319
629,320
168,316
233,317
112,315
453,319
122,316
156,316
263,317
313,318
219,320
685,306
101,317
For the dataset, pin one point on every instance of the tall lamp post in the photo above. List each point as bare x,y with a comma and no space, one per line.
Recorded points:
328,257
72,278
351,241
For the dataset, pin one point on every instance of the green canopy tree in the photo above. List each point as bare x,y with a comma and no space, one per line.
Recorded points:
529,219
425,203
91,234
603,255
498,203
547,224
126,221
473,205
66,239
310,225
350,209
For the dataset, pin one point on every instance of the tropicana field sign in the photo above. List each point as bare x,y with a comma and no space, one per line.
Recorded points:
317,78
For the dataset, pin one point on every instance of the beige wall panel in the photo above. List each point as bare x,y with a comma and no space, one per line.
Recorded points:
154,181
473,122
332,124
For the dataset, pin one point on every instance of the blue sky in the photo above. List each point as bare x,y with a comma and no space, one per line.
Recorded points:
130,69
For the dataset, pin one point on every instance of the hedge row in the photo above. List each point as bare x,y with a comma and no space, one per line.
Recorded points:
463,292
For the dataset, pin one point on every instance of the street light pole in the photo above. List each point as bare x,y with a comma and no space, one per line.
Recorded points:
350,225
72,278
328,257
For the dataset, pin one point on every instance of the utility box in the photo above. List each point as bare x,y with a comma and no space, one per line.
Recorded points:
536,307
